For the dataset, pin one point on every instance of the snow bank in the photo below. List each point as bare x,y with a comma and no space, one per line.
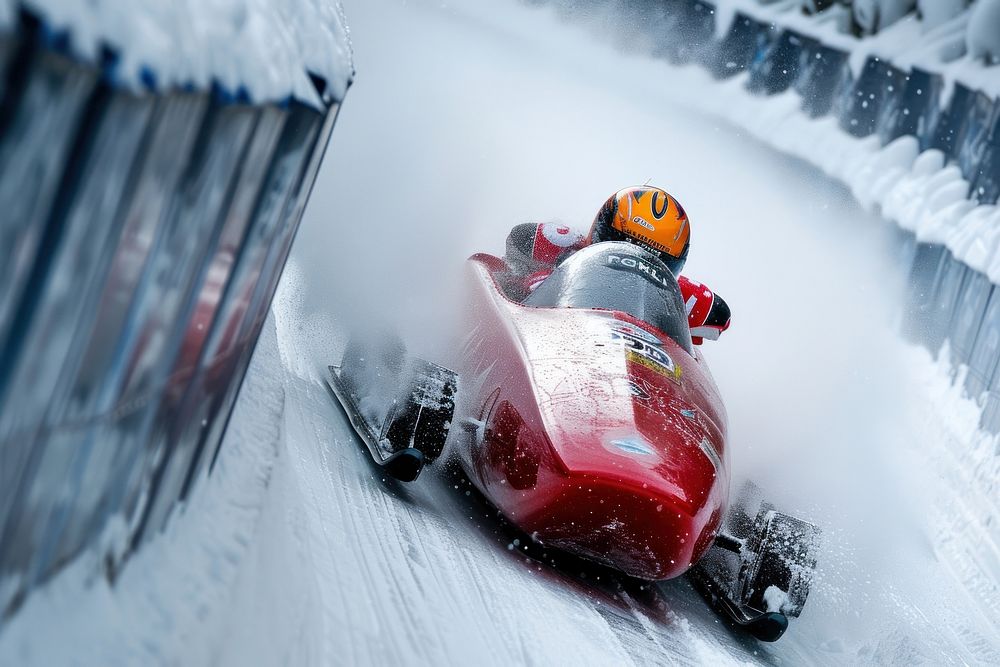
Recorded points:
261,49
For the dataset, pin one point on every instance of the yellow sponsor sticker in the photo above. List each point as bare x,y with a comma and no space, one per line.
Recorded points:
669,370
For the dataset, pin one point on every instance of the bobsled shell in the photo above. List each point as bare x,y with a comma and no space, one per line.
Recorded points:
592,440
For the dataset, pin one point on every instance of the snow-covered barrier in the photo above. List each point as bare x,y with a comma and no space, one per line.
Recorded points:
896,98
155,161
922,145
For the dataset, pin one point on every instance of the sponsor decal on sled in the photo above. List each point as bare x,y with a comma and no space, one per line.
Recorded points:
640,350
633,446
629,331
667,370
641,268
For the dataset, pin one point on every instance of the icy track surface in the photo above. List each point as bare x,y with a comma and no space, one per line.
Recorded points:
464,121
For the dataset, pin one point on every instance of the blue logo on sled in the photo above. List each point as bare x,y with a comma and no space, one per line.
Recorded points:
633,446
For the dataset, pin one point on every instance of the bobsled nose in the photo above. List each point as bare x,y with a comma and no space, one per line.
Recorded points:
648,508
636,530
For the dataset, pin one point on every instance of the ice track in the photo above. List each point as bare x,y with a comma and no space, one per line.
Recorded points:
466,118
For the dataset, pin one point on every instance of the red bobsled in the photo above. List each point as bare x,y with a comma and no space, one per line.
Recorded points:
586,416
595,425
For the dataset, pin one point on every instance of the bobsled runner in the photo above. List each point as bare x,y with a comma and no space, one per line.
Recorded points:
587,417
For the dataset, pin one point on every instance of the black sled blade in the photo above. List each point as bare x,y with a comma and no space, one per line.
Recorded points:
404,465
766,627
759,570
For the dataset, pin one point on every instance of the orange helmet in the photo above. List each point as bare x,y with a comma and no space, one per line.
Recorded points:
647,217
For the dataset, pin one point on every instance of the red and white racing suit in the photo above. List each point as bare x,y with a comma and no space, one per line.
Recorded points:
534,250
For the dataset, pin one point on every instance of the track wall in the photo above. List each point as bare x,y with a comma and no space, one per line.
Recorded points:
142,236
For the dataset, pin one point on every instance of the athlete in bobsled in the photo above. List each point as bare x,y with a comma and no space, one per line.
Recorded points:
573,400
645,216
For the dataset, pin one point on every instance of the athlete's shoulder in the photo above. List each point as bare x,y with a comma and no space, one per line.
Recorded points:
534,245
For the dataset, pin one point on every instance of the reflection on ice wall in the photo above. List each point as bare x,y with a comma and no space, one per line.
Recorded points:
147,206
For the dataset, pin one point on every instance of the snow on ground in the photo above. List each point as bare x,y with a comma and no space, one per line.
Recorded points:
263,47
963,515
464,121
